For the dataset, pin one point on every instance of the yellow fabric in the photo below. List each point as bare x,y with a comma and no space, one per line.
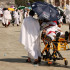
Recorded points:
11,9
64,7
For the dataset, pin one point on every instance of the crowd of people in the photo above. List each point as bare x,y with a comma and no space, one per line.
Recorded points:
13,17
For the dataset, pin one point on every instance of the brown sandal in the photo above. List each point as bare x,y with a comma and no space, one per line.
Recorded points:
28,60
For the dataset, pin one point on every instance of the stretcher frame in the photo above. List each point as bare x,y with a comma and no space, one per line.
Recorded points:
56,46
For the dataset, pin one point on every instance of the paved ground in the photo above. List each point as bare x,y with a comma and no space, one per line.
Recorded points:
13,54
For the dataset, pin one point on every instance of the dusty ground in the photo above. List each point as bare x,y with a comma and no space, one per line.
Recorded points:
13,54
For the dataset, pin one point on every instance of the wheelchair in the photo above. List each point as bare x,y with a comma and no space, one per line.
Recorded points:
55,46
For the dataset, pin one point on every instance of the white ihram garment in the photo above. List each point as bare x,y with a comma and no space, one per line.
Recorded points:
16,16
20,15
29,37
51,28
67,13
6,17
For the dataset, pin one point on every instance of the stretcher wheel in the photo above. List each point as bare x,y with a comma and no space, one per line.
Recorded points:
41,54
66,62
54,60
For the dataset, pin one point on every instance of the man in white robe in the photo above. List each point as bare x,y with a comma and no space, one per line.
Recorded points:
30,37
16,17
6,17
20,15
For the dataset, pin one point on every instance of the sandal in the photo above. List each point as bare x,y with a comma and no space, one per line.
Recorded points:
35,62
28,61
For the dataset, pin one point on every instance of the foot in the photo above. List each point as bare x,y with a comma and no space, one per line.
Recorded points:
28,60
6,25
17,25
13,24
35,62
3,24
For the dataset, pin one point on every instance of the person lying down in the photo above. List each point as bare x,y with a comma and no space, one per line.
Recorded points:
52,31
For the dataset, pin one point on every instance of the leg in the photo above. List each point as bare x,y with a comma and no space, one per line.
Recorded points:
6,22
17,20
29,59
37,50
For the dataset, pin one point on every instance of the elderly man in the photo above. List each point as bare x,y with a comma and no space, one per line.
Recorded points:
30,37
